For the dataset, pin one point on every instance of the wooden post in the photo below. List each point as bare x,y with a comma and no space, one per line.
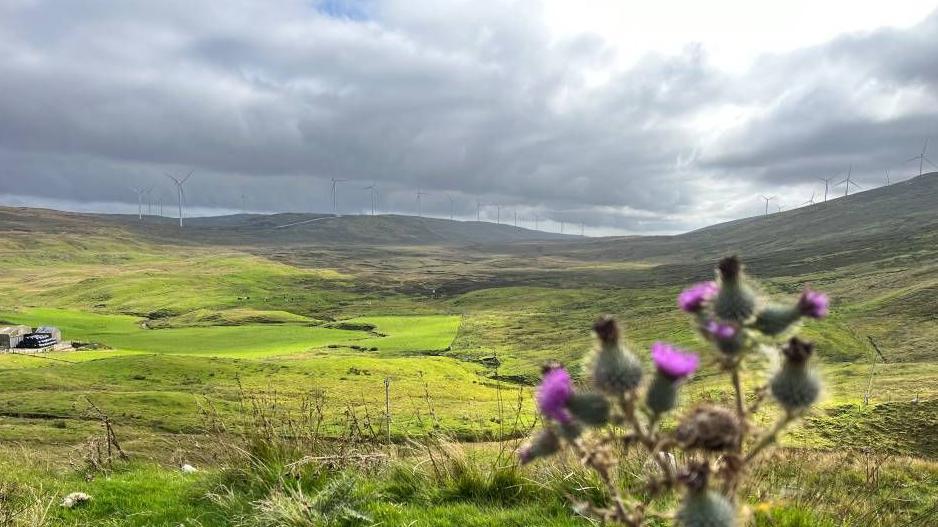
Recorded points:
387,406
869,384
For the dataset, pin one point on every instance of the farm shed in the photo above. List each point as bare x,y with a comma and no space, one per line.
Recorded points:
11,336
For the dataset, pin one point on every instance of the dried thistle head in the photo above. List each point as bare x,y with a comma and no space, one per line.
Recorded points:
709,428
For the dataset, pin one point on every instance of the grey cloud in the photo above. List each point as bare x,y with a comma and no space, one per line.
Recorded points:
477,101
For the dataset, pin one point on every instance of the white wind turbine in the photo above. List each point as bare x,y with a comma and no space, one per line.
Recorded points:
767,200
420,203
180,193
827,185
140,192
848,181
335,210
810,201
374,196
452,207
922,159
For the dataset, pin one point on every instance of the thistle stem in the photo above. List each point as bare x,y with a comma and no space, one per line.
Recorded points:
737,387
769,436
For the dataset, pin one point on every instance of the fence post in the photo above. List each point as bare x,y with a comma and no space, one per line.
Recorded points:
387,406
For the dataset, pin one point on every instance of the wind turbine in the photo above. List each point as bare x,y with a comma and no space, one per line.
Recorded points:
180,193
374,196
335,210
886,176
537,221
149,193
827,184
452,207
922,158
767,200
498,214
516,217
810,201
478,210
140,192
847,182
779,206
420,203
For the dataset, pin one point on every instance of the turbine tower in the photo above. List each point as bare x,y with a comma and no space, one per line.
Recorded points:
922,159
478,210
420,203
335,210
886,176
810,201
452,207
767,200
373,190
498,214
848,181
149,194
140,192
827,185
180,193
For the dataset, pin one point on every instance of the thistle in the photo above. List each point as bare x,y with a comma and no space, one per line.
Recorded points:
709,428
794,386
553,393
731,318
736,301
672,367
703,507
693,299
613,369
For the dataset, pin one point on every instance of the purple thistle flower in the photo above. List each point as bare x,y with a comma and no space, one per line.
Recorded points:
673,362
693,298
553,393
813,304
721,331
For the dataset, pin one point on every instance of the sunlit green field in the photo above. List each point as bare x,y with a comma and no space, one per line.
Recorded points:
176,339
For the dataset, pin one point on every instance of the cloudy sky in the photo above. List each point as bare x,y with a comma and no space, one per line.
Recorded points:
648,118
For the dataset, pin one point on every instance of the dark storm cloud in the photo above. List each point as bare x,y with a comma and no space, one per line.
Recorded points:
266,102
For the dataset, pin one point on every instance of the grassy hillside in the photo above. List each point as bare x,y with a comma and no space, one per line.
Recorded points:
180,336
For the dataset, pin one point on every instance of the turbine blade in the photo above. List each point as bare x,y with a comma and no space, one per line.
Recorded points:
189,175
930,163
909,160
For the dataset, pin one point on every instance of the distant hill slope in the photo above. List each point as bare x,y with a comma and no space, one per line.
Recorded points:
288,229
901,218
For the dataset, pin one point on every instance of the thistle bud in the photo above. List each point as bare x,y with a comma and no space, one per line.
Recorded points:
672,367
735,301
553,393
709,428
727,337
591,409
794,386
702,507
775,320
693,299
544,444
613,370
